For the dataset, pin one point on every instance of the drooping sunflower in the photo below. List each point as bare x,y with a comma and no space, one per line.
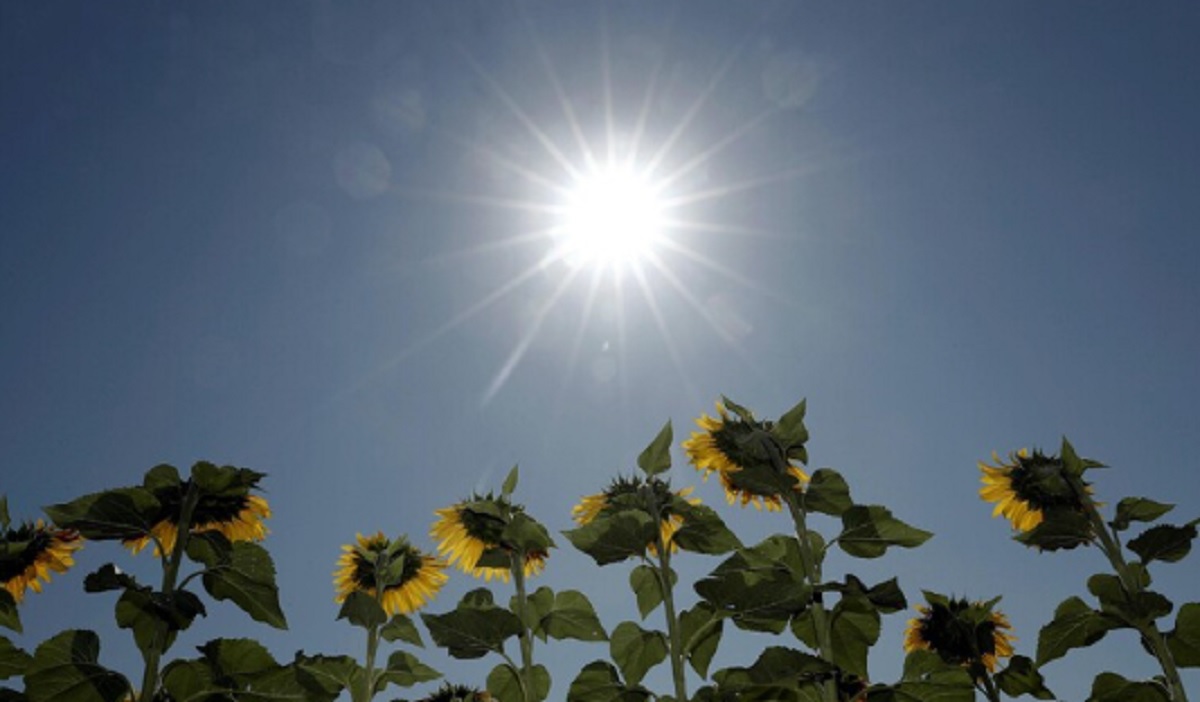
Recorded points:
964,633
32,552
726,446
1026,486
236,517
360,566
619,496
458,693
464,534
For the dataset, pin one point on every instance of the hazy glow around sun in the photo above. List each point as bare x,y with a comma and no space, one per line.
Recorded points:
611,217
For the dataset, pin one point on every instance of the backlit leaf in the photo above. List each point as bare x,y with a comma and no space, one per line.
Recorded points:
656,457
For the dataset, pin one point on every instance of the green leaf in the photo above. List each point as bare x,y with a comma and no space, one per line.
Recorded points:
1021,677
223,481
1165,542
599,682
1184,639
636,650
149,613
1144,606
510,482
537,605
656,457
789,431
10,618
1138,509
109,577
1110,687
855,628
161,477
65,668
241,659
760,588
247,577
1059,529
573,617
927,678
703,531
645,585
887,597
13,661
526,534
504,684
828,493
611,538
472,632
777,667
401,628
403,669
700,630
362,610
742,413
1075,625
868,530
242,669
328,675
124,513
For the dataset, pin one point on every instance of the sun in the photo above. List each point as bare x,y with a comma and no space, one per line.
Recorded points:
611,217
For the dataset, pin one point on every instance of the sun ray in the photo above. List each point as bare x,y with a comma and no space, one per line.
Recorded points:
721,144
741,186
561,95
484,200
538,236
577,341
639,128
606,81
665,333
504,162
714,266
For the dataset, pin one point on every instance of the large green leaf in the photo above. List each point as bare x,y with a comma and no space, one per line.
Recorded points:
472,632
868,531
760,588
537,605
700,630
703,531
1184,639
109,577
1144,606
405,670
828,493
927,678
123,513
362,610
526,534
789,431
779,669
13,661
504,683
636,650
242,669
1075,625
600,682
1138,509
1164,542
10,618
151,614
572,617
1110,687
66,668
611,538
887,597
401,628
1021,677
327,675
656,457
242,572
855,628
643,580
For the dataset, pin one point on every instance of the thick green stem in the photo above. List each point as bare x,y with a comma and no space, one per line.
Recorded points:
518,573
812,572
674,637
367,691
1133,586
171,563
989,688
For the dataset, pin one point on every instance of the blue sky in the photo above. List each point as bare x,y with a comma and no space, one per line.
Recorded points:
304,238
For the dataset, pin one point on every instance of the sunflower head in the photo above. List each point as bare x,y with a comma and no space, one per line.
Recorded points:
226,506
651,495
458,693
739,449
30,552
480,535
394,572
1028,486
963,633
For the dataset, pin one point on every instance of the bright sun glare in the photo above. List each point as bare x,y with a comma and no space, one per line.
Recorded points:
612,217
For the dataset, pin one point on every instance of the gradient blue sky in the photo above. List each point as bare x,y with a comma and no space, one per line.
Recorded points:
260,234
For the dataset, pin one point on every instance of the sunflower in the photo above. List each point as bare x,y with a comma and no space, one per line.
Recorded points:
961,632
1026,486
31,552
465,535
457,693
613,499
359,569
236,517
726,447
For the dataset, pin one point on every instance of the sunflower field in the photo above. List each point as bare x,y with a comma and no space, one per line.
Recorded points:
207,533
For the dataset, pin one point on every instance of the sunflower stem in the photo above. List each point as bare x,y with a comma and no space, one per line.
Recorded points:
367,691
171,564
674,637
812,571
989,688
518,573
1133,587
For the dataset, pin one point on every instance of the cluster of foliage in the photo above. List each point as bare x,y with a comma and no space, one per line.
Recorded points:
206,532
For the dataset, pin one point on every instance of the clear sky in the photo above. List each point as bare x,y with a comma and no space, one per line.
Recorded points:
311,239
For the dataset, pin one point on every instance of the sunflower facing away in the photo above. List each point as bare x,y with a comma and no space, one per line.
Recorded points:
420,579
961,632
236,517
31,552
464,535
1026,486
610,500
457,693
721,448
